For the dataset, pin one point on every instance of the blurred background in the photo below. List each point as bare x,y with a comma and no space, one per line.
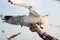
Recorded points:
43,7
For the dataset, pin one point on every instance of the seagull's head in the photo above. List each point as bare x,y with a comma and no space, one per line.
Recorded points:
29,7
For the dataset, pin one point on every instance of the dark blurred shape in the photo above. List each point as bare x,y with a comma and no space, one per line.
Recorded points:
14,35
7,17
46,15
58,0
10,38
10,1
3,31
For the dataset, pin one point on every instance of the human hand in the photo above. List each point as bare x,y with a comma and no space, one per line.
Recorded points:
36,28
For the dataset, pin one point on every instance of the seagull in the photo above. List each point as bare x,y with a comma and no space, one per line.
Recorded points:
10,37
24,20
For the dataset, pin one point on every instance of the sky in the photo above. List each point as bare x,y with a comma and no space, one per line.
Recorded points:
42,7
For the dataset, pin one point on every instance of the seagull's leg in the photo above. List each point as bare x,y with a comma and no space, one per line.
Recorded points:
21,23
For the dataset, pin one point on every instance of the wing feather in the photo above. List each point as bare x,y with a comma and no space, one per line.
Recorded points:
18,2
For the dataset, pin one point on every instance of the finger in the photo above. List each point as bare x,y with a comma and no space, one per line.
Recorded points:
38,26
33,29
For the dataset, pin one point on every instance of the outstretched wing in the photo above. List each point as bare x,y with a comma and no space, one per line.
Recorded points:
18,2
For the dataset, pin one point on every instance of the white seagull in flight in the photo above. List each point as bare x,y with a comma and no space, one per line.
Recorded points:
32,18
